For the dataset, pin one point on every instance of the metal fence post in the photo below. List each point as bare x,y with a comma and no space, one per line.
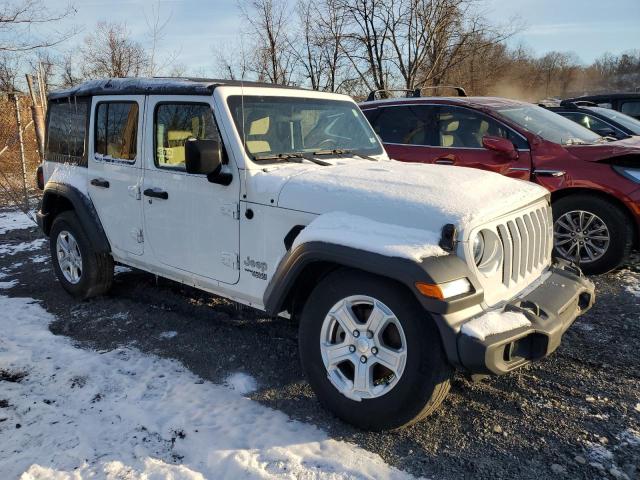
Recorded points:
23,160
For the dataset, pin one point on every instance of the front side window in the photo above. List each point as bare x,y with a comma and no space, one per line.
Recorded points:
174,124
631,108
465,128
549,125
116,134
284,125
66,131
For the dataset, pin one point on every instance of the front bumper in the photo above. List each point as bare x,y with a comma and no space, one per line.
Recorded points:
551,308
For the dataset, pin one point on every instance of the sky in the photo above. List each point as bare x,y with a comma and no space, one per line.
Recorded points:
197,28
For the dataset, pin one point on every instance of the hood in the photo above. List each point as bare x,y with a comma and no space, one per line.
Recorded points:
629,147
408,194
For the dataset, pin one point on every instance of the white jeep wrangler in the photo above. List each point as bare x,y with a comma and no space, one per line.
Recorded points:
283,199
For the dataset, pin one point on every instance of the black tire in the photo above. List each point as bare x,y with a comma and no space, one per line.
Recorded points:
620,230
426,378
97,268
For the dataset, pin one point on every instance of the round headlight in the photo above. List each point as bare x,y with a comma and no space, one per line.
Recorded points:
478,248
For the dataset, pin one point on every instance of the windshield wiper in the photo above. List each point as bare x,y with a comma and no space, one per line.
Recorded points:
287,157
339,151
294,157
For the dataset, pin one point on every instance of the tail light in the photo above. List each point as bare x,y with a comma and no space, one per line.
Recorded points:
40,178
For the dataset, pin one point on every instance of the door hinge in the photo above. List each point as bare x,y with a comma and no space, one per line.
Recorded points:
134,191
231,260
140,236
231,209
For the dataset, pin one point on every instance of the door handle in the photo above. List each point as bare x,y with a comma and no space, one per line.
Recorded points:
445,161
152,192
100,182
549,173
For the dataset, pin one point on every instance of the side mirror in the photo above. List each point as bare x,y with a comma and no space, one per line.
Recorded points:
501,145
205,157
607,132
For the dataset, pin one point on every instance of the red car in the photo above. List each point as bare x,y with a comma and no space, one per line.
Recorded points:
594,182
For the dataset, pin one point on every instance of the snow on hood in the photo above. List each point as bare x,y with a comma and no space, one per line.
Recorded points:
411,195
365,234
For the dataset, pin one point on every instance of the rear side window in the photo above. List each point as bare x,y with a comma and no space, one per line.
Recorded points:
406,125
116,135
174,124
66,131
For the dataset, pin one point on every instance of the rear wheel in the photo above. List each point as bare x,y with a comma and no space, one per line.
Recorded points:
371,353
82,271
591,232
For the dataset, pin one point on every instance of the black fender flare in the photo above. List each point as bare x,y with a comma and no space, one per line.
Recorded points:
433,270
83,208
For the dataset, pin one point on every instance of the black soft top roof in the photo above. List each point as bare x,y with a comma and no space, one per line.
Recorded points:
151,86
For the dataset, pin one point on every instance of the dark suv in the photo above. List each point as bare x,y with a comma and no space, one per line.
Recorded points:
625,102
595,182
603,121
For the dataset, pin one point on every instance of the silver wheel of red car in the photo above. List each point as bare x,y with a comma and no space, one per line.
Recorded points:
592,232
581,236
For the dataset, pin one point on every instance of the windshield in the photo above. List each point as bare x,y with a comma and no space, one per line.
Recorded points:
624,120
284,125
549,125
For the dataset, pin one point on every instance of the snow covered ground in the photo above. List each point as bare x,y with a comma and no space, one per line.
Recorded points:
69,413
15,220
73,413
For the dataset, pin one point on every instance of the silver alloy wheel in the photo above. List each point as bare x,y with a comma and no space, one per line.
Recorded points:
363,347
69,257
581,236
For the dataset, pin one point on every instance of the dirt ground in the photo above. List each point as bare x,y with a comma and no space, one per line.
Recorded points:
575,415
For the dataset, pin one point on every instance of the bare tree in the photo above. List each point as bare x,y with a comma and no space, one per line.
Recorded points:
18,20
9,72
320,54
110,52
367,40
157,30
68,76
270,19
231,59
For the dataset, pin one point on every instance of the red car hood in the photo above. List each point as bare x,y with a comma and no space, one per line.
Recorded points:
606,151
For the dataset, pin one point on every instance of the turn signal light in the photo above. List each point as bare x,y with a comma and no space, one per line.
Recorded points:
429,290
442,291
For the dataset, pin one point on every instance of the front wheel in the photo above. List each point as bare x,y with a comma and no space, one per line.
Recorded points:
371,353
591,232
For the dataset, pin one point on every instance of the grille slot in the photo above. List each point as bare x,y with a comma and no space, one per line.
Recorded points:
526,242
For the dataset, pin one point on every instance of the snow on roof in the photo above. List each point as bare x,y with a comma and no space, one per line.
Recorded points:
155,85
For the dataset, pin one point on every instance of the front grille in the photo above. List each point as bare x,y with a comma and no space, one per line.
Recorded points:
527,241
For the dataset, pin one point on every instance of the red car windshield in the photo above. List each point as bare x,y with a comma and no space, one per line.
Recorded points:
549,125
